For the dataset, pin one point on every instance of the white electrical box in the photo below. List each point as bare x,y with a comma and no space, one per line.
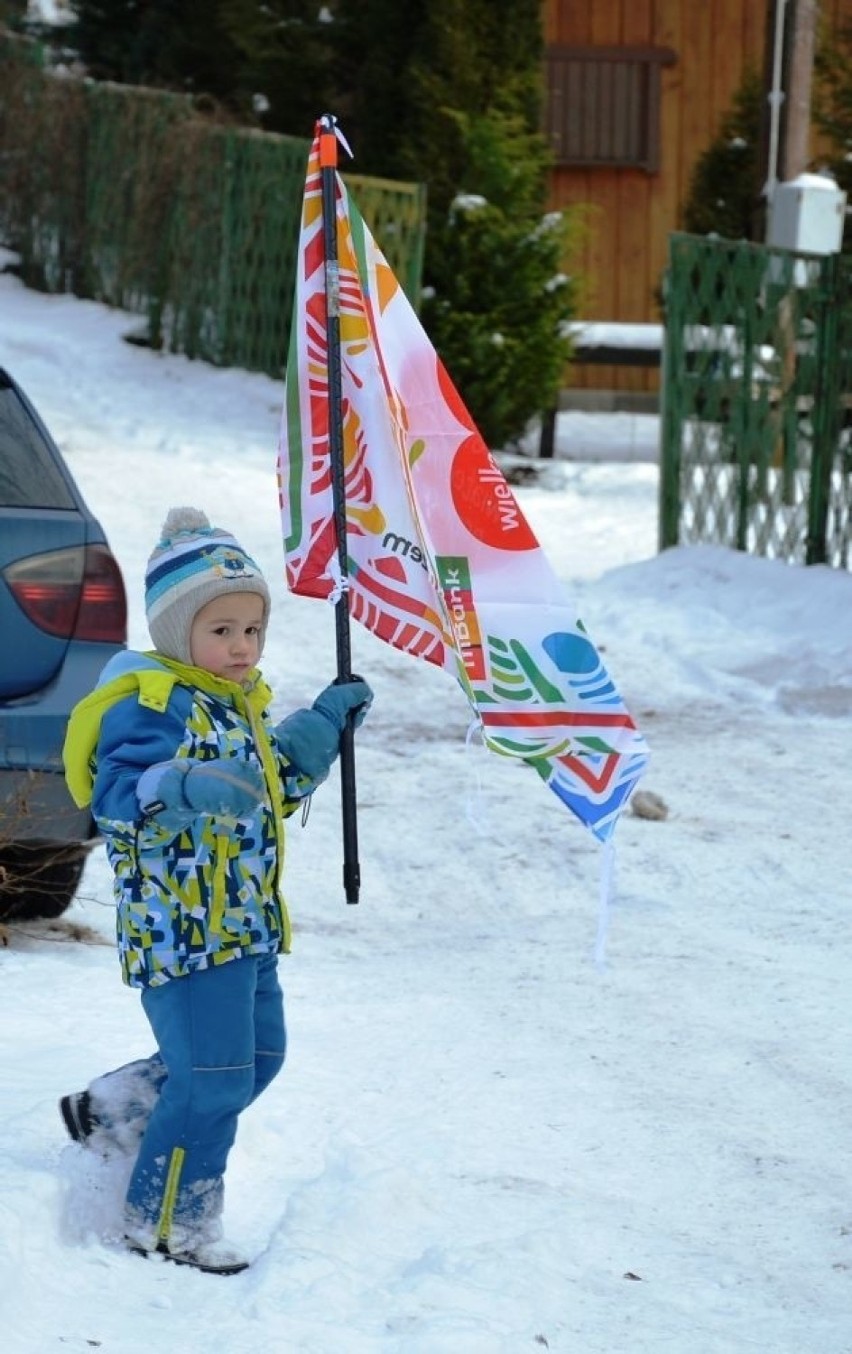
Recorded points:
807,214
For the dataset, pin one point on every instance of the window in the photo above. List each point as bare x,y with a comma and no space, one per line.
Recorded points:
29,476
603,105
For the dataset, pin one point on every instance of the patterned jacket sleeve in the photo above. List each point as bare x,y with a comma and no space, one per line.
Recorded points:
294,786
132,738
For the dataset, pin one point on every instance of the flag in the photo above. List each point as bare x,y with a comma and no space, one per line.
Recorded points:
441,561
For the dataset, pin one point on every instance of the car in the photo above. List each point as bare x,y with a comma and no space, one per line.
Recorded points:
63,614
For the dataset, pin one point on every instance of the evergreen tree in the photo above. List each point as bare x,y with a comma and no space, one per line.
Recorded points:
416,65
12,13
377,40
172,44
497,300
724,191
269,63
449,92
286,50
833,107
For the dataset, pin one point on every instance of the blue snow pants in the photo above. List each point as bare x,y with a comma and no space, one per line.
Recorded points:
221,1037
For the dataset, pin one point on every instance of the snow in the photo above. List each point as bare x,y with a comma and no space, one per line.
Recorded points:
591,334
49,11
483,1143
609,334
607,437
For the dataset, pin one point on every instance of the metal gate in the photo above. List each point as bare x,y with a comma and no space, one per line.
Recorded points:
757,401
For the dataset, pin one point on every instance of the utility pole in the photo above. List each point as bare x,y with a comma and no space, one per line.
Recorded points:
787,78
796,109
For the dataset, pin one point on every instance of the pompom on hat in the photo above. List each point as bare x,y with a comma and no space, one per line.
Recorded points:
193,563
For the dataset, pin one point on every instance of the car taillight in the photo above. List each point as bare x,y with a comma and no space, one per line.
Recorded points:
75,593
103,604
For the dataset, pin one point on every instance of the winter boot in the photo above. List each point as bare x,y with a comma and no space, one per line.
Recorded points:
111,1115
77,1116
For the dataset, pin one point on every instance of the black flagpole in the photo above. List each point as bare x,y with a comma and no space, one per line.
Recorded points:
349,804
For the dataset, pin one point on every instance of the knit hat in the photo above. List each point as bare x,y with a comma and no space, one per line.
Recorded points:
192,564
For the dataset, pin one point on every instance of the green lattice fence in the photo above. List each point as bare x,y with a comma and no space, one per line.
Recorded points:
757,401
130,197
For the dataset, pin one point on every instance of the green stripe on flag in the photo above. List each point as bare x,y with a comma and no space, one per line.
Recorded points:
295,450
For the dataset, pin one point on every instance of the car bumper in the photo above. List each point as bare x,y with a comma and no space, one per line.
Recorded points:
36,806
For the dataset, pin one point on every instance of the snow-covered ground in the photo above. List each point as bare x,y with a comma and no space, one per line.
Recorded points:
483,1143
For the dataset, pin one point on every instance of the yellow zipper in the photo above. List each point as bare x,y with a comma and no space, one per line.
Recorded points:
170,1194
273,785
217,911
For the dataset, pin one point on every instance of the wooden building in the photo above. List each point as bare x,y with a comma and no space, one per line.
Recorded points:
636,91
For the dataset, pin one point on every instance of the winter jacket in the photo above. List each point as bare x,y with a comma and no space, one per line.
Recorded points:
209,893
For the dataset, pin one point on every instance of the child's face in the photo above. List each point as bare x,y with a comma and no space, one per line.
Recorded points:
225,635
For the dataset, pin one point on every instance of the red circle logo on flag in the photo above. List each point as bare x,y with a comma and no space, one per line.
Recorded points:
484,501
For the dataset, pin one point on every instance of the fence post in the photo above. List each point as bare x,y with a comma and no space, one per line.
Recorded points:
547,435
742,417
826,410
671,403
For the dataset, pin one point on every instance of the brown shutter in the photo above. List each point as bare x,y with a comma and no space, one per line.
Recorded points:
603,105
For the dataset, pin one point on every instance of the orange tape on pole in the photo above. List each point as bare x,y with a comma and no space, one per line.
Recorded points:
328,150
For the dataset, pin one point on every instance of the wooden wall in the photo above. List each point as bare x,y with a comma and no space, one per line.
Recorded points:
630,214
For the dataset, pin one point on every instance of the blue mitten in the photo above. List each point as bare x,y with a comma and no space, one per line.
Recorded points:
337,700
175,792
309,742
310,739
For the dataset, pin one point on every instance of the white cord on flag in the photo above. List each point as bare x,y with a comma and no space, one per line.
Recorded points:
474,808
340,581
607,887
342,139
477,816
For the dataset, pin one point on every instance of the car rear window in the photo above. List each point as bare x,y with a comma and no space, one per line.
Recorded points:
29,475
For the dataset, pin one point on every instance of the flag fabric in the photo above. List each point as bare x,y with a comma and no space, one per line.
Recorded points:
441,561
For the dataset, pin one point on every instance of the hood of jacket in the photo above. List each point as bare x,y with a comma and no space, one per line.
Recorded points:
151,677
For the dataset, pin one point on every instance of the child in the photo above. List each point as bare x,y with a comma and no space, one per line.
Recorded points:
189,783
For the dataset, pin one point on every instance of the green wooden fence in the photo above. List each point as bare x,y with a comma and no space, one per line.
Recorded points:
757,401
131,197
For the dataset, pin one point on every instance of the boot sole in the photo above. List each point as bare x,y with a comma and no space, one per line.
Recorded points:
190,1261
